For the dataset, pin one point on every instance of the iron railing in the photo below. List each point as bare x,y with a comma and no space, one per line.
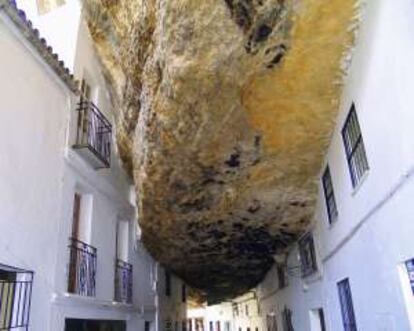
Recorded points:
94,131
15,298
123,281
82,268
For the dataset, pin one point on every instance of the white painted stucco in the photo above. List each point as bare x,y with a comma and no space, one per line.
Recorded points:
41,173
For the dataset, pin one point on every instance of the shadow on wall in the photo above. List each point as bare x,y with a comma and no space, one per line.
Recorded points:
94,325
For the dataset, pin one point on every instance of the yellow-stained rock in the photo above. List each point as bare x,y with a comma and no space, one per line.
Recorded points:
225,111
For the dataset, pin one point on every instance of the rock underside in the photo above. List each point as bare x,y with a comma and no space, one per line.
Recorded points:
225,109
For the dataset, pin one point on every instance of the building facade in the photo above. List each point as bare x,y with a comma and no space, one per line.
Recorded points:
352,269
70,252
211,318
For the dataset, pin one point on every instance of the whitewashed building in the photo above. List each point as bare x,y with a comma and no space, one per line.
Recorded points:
352,270
70,254
211,318
171,301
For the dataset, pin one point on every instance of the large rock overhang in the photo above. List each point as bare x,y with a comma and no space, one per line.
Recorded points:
226,108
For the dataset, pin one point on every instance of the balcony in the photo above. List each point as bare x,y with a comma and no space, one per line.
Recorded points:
93,135
15,298
82,268
123,282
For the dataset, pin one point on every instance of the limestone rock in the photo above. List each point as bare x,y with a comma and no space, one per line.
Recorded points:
225,111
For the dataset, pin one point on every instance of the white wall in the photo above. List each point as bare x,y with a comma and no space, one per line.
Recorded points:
41,172
249,318
371,238
33,119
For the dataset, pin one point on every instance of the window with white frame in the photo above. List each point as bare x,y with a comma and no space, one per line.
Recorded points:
307,255
329,195
354,147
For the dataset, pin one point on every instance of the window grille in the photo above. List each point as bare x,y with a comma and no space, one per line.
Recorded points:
123,281
15,298
307,255
329,195
347,307
82,268
354,147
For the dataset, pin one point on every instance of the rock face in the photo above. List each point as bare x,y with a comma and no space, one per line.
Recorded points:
225,111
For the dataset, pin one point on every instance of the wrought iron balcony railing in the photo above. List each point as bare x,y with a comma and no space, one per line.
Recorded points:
15,298
93,135
82,268
123,281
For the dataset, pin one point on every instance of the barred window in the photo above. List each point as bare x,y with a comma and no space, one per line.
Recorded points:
15,297
354,147
347,307
307,255
329,195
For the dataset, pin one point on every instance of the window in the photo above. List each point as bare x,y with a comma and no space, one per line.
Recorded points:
167,283
329,195
347,308
15,297
410,270
281,275
82,256
287,320
271,322
235,309
307,255
354,147
317,320
183,293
